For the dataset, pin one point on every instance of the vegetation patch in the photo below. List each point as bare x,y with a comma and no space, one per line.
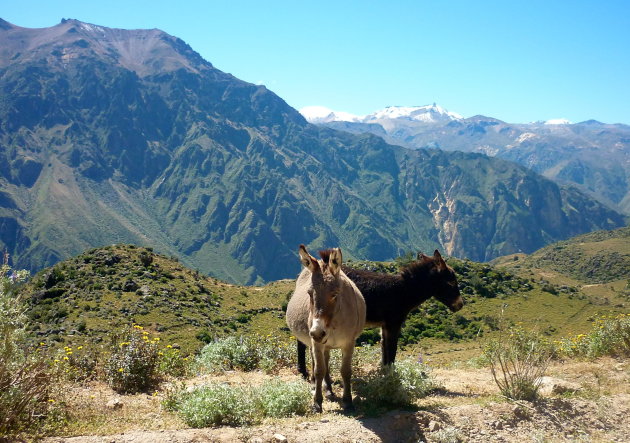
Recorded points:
238,405
246,353
518,361
610,336
394,386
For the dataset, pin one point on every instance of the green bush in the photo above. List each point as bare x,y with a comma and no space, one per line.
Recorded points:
76,363
518,361
277,398
171,362
133,364
245,353
609,336
222,404
393,386
25,377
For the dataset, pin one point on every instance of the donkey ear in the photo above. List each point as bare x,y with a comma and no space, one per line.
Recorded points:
335,261
308,261
439,261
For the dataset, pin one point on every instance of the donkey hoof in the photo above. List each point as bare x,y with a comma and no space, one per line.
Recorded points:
317,408
348,407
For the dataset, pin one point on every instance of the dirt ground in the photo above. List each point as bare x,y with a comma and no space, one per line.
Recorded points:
592,403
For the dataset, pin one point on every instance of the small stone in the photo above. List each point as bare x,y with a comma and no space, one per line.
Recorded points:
497,425
434,426
279,437
324,420
114,403
256,440
556,386
519,412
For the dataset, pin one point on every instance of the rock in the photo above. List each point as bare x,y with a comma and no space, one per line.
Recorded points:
556,386
279,437
130,286
497,425
520,412
114,403
324,420
434,426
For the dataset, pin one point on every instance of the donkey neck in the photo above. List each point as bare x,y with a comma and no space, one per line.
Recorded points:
416,284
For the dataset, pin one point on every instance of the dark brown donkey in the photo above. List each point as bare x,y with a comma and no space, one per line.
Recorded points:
389,298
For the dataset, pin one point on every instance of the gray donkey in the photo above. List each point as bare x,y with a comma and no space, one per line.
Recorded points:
326,311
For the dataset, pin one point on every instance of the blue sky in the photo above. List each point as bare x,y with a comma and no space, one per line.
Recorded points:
518,61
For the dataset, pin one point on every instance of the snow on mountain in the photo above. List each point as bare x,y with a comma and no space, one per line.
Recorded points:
558,121
322,114
428,114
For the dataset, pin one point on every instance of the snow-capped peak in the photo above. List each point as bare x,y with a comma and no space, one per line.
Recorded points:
558,121
427,113
322,114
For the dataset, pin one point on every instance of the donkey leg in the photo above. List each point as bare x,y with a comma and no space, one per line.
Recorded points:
319,371
390,334
346,375
330,395
301,359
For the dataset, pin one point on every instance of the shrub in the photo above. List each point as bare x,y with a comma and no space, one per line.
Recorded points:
277,398
172,362
609,336
222,404
245,353
75,363
25,378
518,362
395,385
133,364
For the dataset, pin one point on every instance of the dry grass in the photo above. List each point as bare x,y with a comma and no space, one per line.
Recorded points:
89,414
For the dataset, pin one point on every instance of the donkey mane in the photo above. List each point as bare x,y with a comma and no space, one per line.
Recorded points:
417,268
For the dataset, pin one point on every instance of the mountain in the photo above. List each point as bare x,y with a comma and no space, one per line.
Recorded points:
593,156
129,136
595,258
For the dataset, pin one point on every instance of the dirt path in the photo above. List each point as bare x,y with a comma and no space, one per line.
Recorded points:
467,408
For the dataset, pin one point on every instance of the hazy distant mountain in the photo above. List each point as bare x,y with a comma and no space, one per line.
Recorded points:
111,136
590,155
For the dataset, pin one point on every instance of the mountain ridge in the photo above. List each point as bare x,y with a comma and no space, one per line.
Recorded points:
226,176
593,156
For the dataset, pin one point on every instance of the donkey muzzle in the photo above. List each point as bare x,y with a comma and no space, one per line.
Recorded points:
457,304
317,332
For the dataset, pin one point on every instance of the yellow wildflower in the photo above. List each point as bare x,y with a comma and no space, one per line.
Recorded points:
120,369
169,346
79,348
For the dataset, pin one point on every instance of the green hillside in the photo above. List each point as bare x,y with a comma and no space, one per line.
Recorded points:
86,298
90,296
597,257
